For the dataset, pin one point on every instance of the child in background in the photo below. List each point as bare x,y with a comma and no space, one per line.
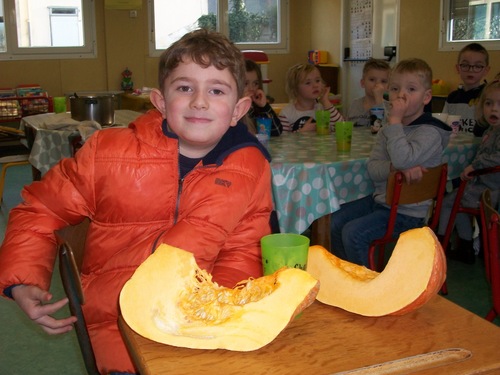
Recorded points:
473,67
307,93
260,106
374,81
488,155
167,178
411,141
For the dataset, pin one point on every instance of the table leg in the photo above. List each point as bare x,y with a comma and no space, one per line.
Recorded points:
320,232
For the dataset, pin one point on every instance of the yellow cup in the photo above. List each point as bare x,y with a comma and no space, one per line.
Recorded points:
343,134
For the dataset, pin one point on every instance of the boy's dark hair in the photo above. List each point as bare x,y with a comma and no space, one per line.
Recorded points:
418,67
475,47
205,48
252,66
375,64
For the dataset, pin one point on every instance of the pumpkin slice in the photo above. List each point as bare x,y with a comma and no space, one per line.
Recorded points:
169,299
415,272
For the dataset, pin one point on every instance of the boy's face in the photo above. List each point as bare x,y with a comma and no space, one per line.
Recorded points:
311,87
408,96
200,104
375,80
472,68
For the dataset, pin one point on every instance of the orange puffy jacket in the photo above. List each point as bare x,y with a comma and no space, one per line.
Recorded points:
127,182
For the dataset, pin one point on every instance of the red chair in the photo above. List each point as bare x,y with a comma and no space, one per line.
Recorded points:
260,57
458,208
432,186
456,205
491,245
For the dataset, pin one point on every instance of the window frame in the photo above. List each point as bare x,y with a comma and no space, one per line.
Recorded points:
445,45
14,52
223,27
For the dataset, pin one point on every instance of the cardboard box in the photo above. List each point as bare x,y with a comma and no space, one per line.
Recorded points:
317,56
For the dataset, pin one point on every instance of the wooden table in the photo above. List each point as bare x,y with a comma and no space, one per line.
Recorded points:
328,340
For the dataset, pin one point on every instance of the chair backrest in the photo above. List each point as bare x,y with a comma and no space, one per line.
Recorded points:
491,225
432,186
69,267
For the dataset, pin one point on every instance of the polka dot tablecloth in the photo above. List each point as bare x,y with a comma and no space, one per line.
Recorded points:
312,179
51,145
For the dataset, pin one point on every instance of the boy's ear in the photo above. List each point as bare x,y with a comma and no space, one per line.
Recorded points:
240,109
427,96
158,100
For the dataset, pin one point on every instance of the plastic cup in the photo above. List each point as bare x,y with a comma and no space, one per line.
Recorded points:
343,134
284,250
59,104
454,122
378,112
322,122
264,125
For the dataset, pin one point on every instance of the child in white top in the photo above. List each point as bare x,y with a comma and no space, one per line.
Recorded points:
308,93
472,66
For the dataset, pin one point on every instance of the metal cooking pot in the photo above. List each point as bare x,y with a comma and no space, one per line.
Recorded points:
90,107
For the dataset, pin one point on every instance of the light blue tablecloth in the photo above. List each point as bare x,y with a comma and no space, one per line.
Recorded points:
312,179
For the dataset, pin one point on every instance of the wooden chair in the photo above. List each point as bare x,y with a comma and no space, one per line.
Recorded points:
432,186
490,220
71,242
458,208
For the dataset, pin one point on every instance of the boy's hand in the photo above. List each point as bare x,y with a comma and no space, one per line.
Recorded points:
414,175
464,176
398,109
378,92
34,302
259,98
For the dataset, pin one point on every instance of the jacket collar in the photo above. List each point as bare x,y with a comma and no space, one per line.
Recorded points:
235,138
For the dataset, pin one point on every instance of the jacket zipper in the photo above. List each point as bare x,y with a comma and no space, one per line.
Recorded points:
178,201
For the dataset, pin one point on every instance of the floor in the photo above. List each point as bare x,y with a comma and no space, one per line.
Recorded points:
26,350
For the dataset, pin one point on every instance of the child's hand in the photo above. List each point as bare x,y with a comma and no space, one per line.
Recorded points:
378,92
414,174
324,97
398,110
465,173
259,98
309,126
35,303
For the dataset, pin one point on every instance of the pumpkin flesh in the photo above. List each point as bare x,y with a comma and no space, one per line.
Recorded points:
415,272
172,301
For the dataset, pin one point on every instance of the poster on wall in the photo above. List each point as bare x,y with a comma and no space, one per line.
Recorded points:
361,14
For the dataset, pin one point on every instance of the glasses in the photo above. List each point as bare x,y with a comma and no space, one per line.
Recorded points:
468,68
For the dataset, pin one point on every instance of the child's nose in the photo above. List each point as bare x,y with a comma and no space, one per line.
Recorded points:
199,101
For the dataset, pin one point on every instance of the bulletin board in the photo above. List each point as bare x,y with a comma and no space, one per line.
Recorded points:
361,22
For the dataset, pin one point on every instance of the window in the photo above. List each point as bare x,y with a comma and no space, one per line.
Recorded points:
465,21
251,24
47,29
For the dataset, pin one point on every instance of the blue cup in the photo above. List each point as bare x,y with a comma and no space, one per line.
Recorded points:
264,125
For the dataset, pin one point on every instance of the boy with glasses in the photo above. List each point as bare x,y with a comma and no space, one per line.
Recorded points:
473,67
